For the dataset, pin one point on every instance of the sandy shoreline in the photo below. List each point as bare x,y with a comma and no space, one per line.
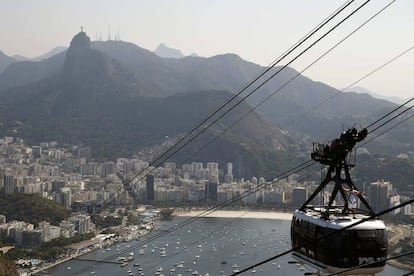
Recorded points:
239,214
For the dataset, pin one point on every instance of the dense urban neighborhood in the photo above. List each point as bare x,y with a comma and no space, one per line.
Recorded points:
231,148
52,193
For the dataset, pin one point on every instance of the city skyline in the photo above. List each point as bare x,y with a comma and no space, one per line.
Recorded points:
257,31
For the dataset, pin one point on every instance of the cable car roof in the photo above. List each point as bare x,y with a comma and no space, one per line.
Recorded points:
338,222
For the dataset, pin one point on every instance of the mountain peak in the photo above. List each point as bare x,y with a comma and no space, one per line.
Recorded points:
82,62
80,41
167,52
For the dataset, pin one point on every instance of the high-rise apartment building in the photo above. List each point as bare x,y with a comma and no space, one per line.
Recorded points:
85,152
150,188
299,196
9,185
378,193
228,178
37,151
66,196
210,191
108,168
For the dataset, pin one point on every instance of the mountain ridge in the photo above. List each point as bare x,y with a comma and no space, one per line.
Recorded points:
94,93
362,90
5,61
46,55
141,73
167,52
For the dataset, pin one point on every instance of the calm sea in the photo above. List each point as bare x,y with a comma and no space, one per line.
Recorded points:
213,246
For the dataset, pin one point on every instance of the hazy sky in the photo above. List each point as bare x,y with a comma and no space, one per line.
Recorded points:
257,30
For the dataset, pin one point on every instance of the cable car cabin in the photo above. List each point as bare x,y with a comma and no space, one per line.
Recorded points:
362,244
314,231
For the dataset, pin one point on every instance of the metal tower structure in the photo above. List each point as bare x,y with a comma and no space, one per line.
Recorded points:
335,156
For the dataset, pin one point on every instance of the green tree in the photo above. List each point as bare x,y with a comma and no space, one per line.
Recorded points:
32,208
166,214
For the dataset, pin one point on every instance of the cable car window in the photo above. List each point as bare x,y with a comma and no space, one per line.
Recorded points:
296,221
302,228
366,240
311,230
381,236
366,234
347,240
321,248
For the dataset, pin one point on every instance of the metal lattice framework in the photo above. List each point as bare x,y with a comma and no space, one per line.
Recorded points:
334,155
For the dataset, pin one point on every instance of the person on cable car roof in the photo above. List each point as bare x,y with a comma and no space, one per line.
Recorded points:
351,196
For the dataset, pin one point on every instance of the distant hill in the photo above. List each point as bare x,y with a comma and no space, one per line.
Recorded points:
21,58
5,61
51,53
362,90
164,77
327,120
24,72
156,76
136,73
48,54
167,52
161,77
94,93
298,109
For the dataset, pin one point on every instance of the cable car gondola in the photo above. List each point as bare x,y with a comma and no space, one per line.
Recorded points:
363,245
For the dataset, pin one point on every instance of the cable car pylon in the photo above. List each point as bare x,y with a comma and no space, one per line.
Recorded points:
336,157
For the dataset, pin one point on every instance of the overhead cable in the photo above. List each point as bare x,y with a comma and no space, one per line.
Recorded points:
259,75
226,203
387,130
294,77
354,11
349,86
273,75
392,118
389,113
208,234
254,90
298,168
329,98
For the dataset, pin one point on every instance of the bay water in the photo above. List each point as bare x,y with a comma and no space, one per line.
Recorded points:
208,246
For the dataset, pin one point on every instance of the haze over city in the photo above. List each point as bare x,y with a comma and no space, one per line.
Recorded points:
135,134
258,31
